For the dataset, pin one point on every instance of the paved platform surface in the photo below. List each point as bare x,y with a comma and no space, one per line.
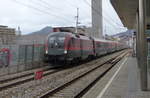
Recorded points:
123,81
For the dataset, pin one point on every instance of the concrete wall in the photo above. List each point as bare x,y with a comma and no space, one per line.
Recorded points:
17,58
97,23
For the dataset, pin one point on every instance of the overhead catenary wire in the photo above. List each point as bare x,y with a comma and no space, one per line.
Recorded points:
100,14
110,17
42,4
49,8
54,15
48,5
42,11
114,22
97,12
73,5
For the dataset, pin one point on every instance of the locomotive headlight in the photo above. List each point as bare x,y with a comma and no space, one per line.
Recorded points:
46,51
65,52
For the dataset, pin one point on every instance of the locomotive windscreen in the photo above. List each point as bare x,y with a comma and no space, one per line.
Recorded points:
56,43
58,37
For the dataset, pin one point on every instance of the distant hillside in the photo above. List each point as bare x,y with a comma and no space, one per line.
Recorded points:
36,37
124,36
45,30
128,33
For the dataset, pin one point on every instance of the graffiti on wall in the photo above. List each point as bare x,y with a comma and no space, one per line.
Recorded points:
4,57
21,54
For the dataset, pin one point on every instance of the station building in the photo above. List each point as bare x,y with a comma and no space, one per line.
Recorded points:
7,35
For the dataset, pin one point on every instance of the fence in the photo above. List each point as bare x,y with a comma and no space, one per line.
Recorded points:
16,58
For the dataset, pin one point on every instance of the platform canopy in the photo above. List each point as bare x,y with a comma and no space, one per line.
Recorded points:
126,10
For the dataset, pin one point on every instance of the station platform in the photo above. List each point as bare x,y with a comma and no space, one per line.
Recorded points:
123,81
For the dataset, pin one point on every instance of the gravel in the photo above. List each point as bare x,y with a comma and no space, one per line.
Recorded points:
35,88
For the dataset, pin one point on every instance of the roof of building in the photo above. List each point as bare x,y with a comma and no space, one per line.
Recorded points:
126,10
2,26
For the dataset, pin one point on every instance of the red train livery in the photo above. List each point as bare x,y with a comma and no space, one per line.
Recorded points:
70,46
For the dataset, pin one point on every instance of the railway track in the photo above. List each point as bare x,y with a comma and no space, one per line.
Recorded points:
26,76
22,86
14,81
7,78
77,86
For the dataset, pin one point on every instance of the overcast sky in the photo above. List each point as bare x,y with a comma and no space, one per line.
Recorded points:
32,15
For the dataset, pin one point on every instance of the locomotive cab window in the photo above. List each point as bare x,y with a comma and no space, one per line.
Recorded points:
51,39
61,39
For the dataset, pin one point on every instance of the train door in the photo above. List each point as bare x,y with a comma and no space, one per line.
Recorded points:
84,54
76,45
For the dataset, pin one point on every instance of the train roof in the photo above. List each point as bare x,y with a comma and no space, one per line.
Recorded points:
58,33
103,40
83,37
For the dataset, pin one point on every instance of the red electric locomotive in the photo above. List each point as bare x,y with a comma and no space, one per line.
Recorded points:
66,46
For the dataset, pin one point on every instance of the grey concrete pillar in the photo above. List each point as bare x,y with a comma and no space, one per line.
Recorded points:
97,23
137,39
142,42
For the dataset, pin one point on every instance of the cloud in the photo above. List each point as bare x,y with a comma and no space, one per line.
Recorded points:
32,15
